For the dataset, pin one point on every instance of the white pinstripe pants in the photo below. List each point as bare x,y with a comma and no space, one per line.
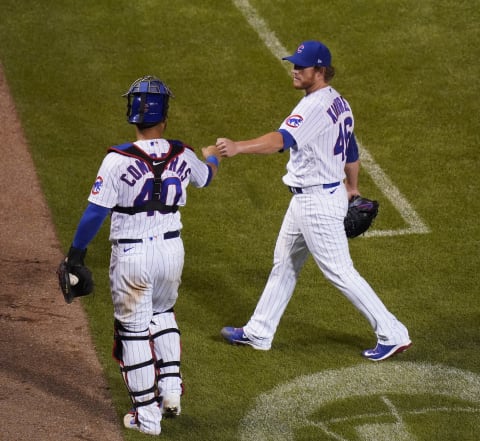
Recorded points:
144,278
313,224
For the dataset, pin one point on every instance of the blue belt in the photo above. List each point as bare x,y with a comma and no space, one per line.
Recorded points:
167,235
299,190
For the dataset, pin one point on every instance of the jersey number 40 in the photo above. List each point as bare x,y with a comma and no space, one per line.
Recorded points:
170,192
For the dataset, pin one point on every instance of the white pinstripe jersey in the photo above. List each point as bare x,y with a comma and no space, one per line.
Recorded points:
321,124
126,181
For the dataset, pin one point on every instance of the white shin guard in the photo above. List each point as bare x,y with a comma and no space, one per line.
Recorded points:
165,336
137,365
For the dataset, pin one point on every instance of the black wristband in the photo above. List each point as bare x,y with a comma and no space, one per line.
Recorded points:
76,256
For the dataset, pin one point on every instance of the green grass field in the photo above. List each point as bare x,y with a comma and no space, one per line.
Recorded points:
410,70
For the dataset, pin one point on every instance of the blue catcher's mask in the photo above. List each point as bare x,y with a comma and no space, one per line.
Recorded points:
147,101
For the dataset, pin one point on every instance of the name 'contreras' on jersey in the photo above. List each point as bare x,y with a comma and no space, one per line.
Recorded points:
321,123
122,181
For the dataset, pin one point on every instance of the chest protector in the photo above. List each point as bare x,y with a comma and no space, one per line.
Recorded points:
157,166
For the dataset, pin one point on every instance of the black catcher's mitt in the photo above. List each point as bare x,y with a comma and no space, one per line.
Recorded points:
360,215
74,278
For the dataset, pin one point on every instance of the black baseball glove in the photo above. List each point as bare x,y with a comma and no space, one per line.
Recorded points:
360,215
74,278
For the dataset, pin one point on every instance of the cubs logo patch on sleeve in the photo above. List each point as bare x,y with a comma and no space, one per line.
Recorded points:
294,121
97,185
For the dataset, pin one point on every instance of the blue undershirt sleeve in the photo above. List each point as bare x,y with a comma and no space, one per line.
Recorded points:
288,139
210,176
352,149
89,224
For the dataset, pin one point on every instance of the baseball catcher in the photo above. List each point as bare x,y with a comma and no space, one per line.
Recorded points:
74,278
141,186
360,215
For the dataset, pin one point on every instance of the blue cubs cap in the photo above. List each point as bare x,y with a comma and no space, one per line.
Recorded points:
311,53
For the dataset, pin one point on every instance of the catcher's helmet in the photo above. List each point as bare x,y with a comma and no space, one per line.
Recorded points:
147,101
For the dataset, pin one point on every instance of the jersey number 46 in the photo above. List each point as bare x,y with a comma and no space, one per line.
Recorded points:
344,133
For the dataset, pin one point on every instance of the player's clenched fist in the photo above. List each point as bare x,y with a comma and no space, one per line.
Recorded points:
227,147
211,150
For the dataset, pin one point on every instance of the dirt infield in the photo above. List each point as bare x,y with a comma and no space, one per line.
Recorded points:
52,386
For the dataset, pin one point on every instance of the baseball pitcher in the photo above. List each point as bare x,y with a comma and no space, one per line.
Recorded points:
322,175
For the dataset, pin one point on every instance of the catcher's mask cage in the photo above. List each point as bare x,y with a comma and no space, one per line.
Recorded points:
147,101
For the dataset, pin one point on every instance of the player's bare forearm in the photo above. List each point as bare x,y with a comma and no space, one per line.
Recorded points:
266,144
352,170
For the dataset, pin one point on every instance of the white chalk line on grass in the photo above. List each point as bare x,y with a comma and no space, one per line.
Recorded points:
391,192
262,29
304,402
